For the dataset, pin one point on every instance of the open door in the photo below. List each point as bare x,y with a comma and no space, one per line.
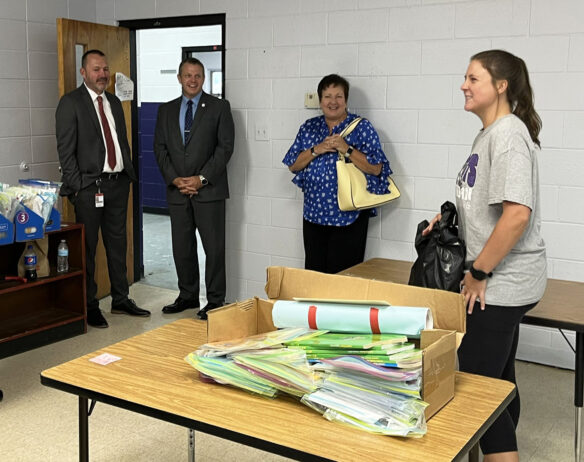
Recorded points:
74,38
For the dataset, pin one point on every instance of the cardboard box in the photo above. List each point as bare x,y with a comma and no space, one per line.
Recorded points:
6,231
30,226
254,316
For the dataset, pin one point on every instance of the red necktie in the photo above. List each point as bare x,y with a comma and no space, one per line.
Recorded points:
109,141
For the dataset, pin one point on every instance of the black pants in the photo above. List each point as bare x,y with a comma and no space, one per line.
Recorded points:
488,348
186,216
330,249
111,219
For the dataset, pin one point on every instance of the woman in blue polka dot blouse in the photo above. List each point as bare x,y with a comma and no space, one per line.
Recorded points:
334,240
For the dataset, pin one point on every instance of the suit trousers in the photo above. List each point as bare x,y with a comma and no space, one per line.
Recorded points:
186,216
111,219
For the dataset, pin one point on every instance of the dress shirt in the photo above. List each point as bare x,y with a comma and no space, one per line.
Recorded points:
112,124
183,111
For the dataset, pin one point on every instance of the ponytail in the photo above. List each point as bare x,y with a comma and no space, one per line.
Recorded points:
505,66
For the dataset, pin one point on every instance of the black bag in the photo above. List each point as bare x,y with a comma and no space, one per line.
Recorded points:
441,254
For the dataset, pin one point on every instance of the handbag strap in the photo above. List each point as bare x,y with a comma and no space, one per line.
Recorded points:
347,131
349,128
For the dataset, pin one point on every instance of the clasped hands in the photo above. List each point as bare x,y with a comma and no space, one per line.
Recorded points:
472,289
331,143
188,185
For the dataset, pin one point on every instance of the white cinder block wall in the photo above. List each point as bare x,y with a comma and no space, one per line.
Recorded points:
405,60
28,83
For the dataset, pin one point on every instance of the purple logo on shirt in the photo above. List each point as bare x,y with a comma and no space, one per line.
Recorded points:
468,173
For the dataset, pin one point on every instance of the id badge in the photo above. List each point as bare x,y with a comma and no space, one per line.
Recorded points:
99,200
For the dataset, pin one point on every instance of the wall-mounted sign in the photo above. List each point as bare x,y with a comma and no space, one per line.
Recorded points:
124,87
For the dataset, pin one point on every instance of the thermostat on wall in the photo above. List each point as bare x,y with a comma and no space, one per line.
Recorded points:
311,101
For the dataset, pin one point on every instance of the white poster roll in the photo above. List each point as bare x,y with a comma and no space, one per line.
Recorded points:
357,318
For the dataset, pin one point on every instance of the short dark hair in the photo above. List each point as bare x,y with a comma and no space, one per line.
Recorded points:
90,52
193,61
333,80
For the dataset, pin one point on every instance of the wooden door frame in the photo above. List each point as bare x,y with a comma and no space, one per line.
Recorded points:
156,23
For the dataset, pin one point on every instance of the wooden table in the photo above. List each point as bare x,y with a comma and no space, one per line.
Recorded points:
152,378
561,307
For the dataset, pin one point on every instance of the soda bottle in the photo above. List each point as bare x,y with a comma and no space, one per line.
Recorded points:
62,257
30,261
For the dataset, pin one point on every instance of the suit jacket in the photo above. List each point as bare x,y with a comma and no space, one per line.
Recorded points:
207,151
80,143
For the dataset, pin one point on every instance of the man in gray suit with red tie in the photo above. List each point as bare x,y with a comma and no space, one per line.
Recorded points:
193,142
97,170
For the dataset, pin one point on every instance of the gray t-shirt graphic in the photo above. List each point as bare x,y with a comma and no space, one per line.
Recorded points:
503,166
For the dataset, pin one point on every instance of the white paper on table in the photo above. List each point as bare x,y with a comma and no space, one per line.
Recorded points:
346,317
124,87
105,359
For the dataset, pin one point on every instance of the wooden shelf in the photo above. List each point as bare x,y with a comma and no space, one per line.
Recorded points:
36,321
6,286
49,309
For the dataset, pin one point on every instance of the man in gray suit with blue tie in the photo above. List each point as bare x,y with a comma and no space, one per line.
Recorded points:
97,170
193,143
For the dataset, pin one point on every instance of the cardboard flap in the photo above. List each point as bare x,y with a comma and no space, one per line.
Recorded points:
439,359
287,283
447,307
220,325
264,316
459,336
431,336
275,276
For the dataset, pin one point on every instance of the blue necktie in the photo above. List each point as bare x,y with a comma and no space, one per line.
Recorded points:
188,120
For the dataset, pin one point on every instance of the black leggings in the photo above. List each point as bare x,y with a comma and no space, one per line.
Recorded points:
489,348
330,249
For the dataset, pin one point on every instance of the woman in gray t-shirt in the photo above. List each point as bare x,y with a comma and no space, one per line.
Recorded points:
497,197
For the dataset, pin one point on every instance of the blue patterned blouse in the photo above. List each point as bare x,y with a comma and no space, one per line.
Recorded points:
318,180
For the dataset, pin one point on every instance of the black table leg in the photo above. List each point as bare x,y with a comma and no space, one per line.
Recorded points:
83,430
473,454
579,392
191,445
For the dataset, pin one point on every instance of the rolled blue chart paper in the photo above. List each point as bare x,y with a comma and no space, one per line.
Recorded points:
356,318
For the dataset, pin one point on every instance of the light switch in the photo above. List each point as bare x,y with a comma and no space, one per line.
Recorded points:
311,101
261,133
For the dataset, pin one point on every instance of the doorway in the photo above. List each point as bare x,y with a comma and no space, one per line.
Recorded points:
157,48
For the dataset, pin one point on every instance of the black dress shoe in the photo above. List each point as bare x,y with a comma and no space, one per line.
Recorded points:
202,314
129,307
180,304
96,319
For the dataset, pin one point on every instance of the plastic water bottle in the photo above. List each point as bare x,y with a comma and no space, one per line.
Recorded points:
30,261
62,257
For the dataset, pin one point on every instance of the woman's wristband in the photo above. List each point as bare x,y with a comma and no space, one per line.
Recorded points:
314,154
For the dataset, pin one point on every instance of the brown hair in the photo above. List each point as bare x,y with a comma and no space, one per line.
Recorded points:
90,52
505,66
333,80
193,61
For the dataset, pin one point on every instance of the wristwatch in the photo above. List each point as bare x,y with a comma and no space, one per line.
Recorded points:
204,180
314,154
478,274
349,152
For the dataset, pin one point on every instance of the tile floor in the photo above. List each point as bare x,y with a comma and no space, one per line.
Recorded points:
40,424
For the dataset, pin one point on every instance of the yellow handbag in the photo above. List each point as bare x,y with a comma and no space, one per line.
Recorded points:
352,183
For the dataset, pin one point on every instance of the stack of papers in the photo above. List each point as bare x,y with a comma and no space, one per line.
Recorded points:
388,350
259,363
357,379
